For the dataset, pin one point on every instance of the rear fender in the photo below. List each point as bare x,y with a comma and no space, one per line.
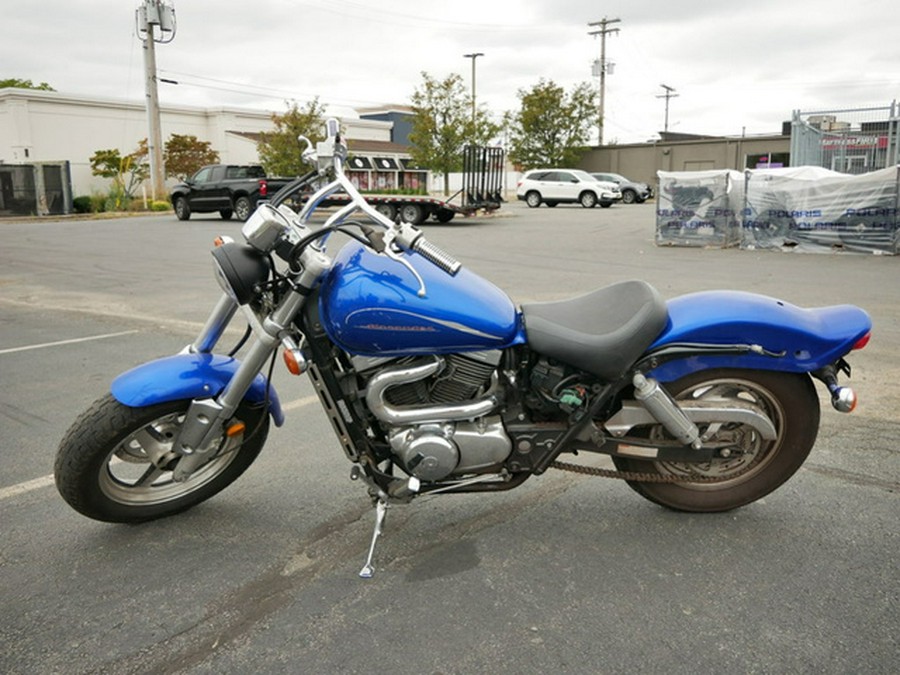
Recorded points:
797,339
186,376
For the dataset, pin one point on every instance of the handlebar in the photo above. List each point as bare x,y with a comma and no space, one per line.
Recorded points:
329,155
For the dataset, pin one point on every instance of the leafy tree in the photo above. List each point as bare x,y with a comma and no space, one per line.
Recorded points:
442,125
16,83
126,172
552,128
280,151
184,155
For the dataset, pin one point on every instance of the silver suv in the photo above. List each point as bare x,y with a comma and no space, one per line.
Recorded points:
632,191
557,186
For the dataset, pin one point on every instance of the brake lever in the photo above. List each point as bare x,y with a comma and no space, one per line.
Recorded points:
395,252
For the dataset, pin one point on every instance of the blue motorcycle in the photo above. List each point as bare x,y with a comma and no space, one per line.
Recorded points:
435,382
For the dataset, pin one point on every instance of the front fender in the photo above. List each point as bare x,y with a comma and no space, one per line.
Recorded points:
186,376
807,338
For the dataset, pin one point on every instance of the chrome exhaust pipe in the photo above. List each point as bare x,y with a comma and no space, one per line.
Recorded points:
390,377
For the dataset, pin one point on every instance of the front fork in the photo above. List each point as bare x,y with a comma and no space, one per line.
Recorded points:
201,432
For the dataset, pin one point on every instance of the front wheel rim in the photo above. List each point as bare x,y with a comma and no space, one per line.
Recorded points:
129,477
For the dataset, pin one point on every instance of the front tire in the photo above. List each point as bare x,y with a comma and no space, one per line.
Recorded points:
756,466
588,200
182,208
104,470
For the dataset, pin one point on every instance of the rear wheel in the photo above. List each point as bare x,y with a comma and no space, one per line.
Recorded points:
444,215
242,208
413,214
750,466
226,214
533,199
115,463
389,211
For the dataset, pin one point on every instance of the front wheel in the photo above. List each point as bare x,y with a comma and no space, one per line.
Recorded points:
748,466
182,208
588,199
115,463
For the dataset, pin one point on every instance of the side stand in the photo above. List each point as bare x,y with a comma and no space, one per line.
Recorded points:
368,570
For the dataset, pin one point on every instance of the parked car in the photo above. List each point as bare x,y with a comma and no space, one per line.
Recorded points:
632,192
229,189
558,186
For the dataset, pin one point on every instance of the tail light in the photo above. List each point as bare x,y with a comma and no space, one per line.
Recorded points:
863,341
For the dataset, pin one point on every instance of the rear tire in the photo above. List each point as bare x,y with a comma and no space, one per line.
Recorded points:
242,208
758,466
226,214
389,211
533,199
413,214
103,468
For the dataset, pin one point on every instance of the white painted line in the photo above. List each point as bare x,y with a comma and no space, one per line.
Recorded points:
67,342
27,486
46,481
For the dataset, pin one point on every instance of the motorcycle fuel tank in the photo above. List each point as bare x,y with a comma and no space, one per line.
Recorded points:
369,305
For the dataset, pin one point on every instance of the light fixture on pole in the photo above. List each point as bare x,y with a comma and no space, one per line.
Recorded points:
473,56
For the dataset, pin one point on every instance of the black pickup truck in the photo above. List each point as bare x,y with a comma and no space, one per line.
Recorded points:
232,190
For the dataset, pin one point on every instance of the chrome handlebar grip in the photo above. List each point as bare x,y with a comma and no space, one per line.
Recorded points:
436,256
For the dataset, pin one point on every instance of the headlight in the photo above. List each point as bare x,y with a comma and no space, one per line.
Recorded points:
239,269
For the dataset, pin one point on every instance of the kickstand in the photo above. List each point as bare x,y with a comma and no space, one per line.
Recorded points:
368,571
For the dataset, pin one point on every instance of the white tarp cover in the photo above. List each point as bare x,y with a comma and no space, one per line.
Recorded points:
699,208
812,209
803,208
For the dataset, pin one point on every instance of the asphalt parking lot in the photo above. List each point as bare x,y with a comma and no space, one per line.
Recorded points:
566,574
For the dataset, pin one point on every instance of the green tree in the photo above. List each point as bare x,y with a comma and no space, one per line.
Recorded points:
552,128
16,83
442,125
280,151
184,155
126,172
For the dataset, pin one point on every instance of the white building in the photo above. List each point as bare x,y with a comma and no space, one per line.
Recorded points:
51,127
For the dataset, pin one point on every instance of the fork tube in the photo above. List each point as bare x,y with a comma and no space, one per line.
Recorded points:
215,326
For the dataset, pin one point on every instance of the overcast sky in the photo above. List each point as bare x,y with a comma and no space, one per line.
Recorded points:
735,66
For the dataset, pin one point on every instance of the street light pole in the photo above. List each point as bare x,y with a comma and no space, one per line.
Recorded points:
473,56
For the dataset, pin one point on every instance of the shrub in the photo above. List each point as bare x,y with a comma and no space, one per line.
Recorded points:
160,206
82,204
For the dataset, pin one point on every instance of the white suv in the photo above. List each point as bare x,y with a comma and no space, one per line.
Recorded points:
556,186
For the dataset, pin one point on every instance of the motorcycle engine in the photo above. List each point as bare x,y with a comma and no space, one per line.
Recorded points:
435,450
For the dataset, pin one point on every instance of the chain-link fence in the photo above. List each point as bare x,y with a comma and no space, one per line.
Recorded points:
854,141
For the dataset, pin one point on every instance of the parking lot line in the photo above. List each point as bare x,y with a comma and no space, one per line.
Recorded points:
67,342
46,481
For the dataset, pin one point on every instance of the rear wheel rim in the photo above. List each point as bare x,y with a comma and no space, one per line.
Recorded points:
752,453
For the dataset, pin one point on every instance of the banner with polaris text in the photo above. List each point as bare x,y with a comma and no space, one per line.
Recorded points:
806,209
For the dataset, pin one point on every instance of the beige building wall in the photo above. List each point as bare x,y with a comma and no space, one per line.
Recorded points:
640,162
43,126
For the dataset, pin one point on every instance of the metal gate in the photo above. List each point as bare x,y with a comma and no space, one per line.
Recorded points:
38,189
853,141
482,176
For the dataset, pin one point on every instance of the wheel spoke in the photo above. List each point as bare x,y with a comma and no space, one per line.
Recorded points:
151,474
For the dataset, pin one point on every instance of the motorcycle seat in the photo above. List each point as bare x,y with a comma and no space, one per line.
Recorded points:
602,332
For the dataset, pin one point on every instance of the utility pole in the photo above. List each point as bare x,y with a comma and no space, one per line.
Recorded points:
670,93
603,31
153,13
473,57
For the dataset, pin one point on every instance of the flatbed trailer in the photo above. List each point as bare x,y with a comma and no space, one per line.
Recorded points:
416,209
